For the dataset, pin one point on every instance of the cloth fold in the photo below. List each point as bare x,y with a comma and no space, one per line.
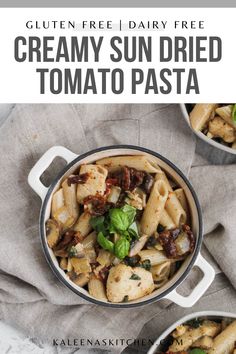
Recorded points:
31,297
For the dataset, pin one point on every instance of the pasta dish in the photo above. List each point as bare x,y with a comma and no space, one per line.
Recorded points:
204,337
120,227
216,121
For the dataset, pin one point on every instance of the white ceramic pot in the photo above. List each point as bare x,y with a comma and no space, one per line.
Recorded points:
168,291
156,347
184,110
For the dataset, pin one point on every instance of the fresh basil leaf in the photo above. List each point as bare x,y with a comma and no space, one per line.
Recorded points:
130,212
121,248
197,351
135,277
97,223
111,229
126,235
132,261
133,230
105,243
234,114
146,264
119,219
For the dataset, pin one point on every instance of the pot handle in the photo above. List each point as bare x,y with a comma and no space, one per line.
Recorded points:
43,163
199,290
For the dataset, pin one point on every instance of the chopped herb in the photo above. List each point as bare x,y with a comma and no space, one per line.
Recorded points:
97,223
73,251
197,351
195,323
132,261
126,298
135,277
234,113
160,228
146,264
152,241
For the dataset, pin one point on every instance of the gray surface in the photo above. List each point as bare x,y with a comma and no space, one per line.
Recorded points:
121,3
5,110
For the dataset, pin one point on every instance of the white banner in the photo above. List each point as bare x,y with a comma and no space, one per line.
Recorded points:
117,55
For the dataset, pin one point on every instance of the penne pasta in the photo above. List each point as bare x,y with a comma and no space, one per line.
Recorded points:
70,201
225,113
80,265
90,240
161,271
90,254
141,163
63,217
224,343
205,342
154,256
183,201
104,258
83,224
63,263
52,232
162,176
57,201
166,221
200,114
69,267
81,279
175,209
184,342
154,208
160,283
95,183
138,245
96,288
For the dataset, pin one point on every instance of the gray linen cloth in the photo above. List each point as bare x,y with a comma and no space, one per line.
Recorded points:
31,297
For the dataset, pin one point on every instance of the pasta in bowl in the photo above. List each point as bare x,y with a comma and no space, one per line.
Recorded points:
199,333
214,123
121,226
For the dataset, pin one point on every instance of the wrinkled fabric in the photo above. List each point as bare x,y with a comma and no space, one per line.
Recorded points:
31,297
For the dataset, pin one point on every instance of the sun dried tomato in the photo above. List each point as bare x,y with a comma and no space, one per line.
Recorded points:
98,204
136,178
77,179
103,274
191,237
125,178
109,183
167,241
